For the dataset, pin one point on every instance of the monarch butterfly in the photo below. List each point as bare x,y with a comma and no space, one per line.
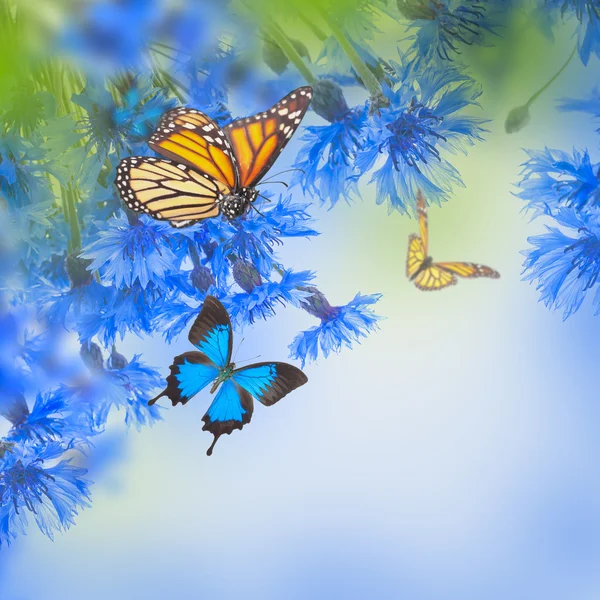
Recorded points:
207,170
429,275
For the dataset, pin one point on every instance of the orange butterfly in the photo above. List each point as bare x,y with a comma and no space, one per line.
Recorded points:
429,275
207,170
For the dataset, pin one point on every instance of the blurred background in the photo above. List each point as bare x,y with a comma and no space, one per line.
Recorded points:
451,454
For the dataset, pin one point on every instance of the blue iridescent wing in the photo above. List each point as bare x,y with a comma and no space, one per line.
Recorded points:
269,382
231,409
190,373
211,332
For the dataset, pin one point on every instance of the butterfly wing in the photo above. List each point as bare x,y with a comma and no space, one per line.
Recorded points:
168,191
416,256
257,141
422,216
211,332
188,136
269,382
434,278
231,409
190,373
469,270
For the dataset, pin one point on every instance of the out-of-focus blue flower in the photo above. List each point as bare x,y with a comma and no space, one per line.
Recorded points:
326,160
116,383
22,180
127,253
33,484
589,105
422,123
358,26
121,127
441,26
554,178
340,325
260,297
587,12
565,266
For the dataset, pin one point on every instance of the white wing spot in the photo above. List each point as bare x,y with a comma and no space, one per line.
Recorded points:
293,96
283,111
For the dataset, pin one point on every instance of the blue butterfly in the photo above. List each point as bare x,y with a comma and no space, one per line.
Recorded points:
232,407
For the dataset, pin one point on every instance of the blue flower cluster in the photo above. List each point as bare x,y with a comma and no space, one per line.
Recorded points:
81,272
564,262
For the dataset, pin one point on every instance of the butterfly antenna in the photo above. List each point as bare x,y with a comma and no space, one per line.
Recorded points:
238,347
281,173
247,359
270,182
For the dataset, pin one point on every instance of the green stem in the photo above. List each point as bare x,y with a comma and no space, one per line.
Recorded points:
275,32
549,83
317,31
359,65
72,219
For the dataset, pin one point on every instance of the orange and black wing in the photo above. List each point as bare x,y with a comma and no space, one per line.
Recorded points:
188,136
168,191
257,141
469,270
416,256
433,278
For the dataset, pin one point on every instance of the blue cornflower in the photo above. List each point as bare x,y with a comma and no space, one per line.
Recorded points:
128,254
253,236
415,131
587,12
590,105
566,265
31,481
125,126
340,325
261,297
443,25
326,160
554,178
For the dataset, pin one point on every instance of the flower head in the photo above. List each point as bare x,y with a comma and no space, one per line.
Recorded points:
129,254
443,25
414,133
326,160
554,178
340,325
31,481
260,297
565,261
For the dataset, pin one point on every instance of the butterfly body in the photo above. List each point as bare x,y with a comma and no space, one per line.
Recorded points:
235,388
207,171
428,275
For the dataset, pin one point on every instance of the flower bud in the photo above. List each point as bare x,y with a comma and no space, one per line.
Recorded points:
116,360
416,9
202,278
317,304
91,355
246,275
328,100
77,271
517,119
14,408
